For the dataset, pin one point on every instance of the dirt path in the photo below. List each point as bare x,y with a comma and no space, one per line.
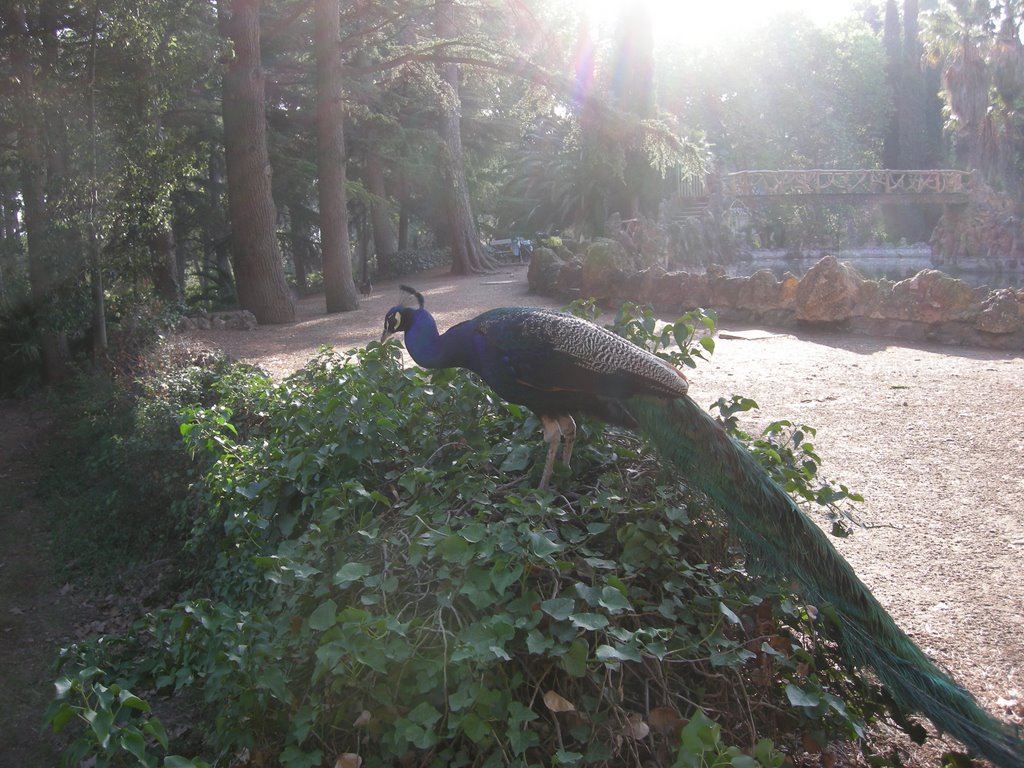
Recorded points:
35,611
932,436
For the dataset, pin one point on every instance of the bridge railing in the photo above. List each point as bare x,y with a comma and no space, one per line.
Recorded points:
846,182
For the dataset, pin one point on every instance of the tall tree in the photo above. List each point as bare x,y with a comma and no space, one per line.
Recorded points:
385,242
468,253
33,164
259,271
337,254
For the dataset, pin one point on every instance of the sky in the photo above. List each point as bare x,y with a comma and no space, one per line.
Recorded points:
685,20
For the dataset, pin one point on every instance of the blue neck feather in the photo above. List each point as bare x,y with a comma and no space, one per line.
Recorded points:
431,350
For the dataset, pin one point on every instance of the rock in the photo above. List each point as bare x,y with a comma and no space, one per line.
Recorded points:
545,268
760,292
606,268
1000,313
929,296
828,293
675,292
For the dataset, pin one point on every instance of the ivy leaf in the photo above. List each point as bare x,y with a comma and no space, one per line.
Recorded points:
575,659
324,616
614,600
730,616
589,621
560,608
801,698
350,572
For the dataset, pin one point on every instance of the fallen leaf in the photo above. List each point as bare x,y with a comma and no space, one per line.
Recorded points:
558,703
636,728
665,719
348,760
810,744
363,720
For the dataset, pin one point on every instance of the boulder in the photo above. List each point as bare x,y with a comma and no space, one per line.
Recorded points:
761,292
544,271
828,293
1000,313
606,268
929,296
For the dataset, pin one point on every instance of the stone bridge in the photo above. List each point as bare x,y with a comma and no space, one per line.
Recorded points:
889,186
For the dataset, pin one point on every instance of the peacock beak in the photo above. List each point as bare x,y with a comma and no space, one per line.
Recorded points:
384,336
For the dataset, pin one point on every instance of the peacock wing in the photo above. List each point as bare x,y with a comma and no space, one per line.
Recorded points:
553,351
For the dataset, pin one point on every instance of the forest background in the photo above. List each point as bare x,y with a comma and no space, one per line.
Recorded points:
206,154
163,157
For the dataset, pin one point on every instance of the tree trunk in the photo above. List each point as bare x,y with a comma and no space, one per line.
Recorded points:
165,269
32,175
468,253
259,273
216,231
339,288
384,241
299,229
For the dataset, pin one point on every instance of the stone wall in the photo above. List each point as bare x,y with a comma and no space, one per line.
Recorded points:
931,306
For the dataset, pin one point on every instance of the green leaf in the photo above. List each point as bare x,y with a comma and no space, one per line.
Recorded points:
350,572
177,761
517,460
424,714
614,600
564,757
101,724
542,546
559,607
801,698
133,741
324,616
589,621
130,700
475,728
64,714
608,653
155,728
574,661
730,616
273,679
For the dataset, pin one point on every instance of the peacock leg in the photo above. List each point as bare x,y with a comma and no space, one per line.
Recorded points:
552,435
567,426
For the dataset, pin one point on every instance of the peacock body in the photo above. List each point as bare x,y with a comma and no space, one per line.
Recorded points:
557,364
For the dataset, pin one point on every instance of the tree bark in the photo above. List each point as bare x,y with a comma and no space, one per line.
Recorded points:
384,241
339,288
259,272
165,267
468,253
32,162
298,225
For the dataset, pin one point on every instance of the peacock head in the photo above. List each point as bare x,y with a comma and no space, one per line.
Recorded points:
400,317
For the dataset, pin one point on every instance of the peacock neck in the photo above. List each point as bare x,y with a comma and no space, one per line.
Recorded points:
428,348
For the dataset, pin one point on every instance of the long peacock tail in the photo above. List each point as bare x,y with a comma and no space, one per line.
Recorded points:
784,542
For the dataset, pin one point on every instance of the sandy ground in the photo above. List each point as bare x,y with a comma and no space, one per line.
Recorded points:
931,436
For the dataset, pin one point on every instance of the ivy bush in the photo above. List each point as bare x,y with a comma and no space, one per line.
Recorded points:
384,584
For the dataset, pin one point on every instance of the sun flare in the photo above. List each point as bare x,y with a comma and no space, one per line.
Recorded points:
687,21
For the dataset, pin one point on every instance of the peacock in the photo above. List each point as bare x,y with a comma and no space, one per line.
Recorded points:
558,365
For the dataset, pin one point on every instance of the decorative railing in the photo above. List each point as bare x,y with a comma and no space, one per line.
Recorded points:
752,184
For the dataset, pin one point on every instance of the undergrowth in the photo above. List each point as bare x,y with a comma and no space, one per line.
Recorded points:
381,584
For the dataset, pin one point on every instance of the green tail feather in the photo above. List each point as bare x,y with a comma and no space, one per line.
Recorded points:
783,541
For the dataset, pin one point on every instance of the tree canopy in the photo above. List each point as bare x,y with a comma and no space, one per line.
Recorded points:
159,150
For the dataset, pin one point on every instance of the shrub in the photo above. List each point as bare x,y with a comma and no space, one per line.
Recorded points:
387,584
